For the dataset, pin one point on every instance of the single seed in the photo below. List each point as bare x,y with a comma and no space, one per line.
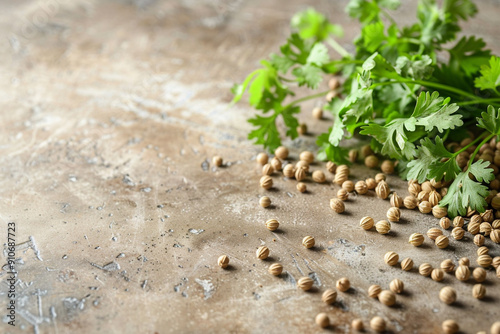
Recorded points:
301,187
397,286
448,265
448,295
434,198
262,252
337,205
342,194
300,174
348,186
387,167
479,274
322,320
462,273
353,155
414,189
343,284
382,190
267,169
393,214
223,261
425,269
423,196
464,261
308,242
377,324
478,291
458,233
450,327
366,223
437,274
217,161
276,163
495,236
407,264
266,182
479,240
484,260
485,229
495,328
371,183
371,161
357,325
482,251
329,296
317,113
289,171
442,241
333,83
275,269
445,223
387,297
331,167
272,224
305,283
380,177
281,152
473,227
425,207
416,239
458,221
439,211
262,158
410,202
496,262
434,232
307,156
318,176
361,187
383,227
391,258
374,290
396,201
265,201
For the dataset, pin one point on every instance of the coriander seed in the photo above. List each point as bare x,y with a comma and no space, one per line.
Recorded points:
305,283
442,241
342,194
289,171
361,187
478,291
393,214
318,176
262,158
348,186
423,196
495,328
464,261
275,269
308,242
307,157
337,205
387,167
370,183
482,250
391,258
437,274
496,262
382,190
439,211
262,252
357,325
281,152
317,113
329,296
377,324
343,284
484,260
341,175
416,239
397,286
485,229
425,269
272,224
396,201
265,201
462,273
479,274
301,187
383,227
495,236
380,177
374,290
414,189
458,233
366,223
425,207
450,327
322,320
410,202
276,163
434,198
371,161
217,161
407,264
458,221
267,169
353,155
448,295
333,83
448,265
445,223
223,261
479,240
300,173
266,182
331,167
387,297
473,227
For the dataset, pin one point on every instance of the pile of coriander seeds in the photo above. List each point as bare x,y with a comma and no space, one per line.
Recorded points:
425,197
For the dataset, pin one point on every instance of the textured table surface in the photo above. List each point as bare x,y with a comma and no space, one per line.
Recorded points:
111,112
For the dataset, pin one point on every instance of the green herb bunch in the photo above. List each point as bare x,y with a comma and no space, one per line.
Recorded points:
409,90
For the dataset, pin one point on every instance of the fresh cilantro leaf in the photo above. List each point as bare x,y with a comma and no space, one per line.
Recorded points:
319,55
291,121
433,111
490,120
297,49
490,75
281,63
369,11
336,132
373,36
463,9
330,152
464,192
468,56
266,133
309,75
419,67
312,24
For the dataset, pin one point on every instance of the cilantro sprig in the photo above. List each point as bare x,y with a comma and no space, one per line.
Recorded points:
397,93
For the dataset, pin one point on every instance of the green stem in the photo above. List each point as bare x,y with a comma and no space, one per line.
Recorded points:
487,139
429,84
482,101
286,79
305,98
469,145
337,47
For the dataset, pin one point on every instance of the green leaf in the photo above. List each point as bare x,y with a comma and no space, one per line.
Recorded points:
312,24
291,121
266,133
467,56
336,132
464,192
490,75
281,63
331,152
373,36
319,55
463,9
418,68
490,120
433,111
309,75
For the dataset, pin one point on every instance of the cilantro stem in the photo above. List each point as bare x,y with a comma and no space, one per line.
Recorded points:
481,101
286,79
428,84
305,98
337,47
470,144
487,139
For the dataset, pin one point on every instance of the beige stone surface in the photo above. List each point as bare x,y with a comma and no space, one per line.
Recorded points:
111,113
